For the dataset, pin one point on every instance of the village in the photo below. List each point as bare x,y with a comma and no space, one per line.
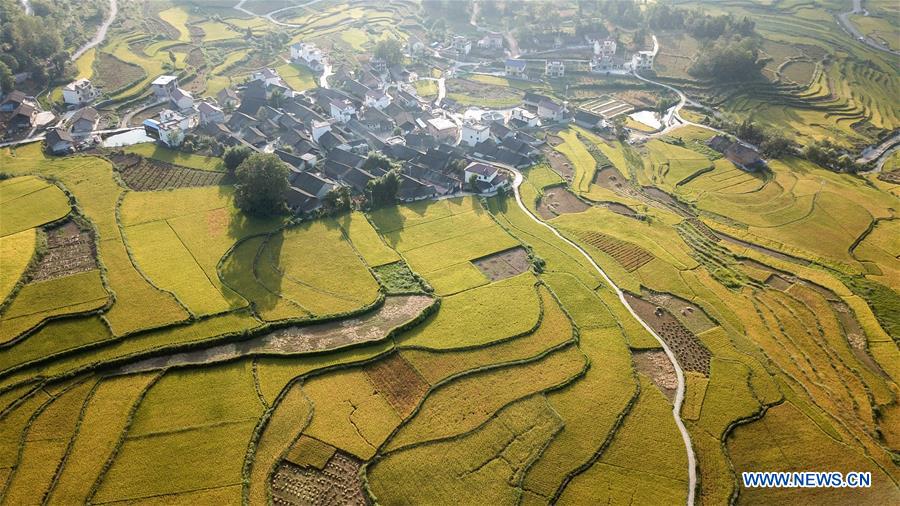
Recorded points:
325,134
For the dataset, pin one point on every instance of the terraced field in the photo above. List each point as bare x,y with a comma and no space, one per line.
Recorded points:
157,346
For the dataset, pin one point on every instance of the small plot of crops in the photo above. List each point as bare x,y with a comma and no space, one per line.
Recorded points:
191,161
16,251
298,77
28,202
630,256
467,92
580,158
147,174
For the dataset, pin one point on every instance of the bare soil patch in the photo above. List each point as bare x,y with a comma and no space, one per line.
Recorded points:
559,200
668,201
399,382
628,255
70,250
337,483
558,162
145,174
610,178
688,350
619,208
554,140
504,264
777,282
688,313
656,365
371,326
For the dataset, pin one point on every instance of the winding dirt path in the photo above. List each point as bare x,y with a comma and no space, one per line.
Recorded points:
101,32
679,373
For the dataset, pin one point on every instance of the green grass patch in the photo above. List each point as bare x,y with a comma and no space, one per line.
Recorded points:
189,160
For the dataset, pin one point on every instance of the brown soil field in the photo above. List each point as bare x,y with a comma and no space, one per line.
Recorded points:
619,209
705,230
504,264
656,365
337,483
667,200
628,255
152,112
558,162
554,140
688,350
399,382
145,174
371,326
70,250
559,200
687,313
111,73
610,178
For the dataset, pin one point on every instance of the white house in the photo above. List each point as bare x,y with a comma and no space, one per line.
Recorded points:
492,40
525,116
308,54
487,178
166,132
515,68
84,120
319,128
473,133
642,60
461,44
79,92
269,77
605,48
342,110
377,99
550,110
163,86
555,68
182,99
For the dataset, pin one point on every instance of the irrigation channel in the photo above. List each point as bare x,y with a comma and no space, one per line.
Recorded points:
679,373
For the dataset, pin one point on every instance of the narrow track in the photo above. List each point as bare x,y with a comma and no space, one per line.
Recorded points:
679,373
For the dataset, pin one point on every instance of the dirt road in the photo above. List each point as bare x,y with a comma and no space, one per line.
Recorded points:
679,392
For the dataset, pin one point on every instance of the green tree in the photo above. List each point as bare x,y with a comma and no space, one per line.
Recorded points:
383,190
389,50
234,156
261,185
6,79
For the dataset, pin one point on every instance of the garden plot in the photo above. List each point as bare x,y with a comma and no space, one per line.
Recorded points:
559,200
29,201
688,313
504,264
607,106
466,92
337,482
69,250
145,174
688,350
369,327
628,255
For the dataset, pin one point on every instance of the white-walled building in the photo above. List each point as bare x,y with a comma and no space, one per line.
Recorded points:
642,60
461,44
163,86
319,128
605,48
306,53
210,113
79,92
555,68
524,115
182,99
488,178
550,110
342,110
269,77
377,99
473,133
442,128
515,68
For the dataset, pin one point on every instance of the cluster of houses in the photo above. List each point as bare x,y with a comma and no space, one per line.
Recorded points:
605,58
21,114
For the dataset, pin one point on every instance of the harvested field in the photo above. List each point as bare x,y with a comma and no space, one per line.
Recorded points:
619,209
112,74
70,250
656,365
337,483
504,264
398,382
145,174
628,255
303,339
687,313
559,200
558,161
688,350
610,178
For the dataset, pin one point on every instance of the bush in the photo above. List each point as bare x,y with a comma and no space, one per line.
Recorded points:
234,156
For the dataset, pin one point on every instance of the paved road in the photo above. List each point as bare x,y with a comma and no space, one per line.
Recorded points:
679,392
843,20
101,32
270,16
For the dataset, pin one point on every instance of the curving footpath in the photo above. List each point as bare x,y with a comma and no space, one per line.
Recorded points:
679,393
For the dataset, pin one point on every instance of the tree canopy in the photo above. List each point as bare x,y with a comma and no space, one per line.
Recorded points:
261,185
234,156
389,50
